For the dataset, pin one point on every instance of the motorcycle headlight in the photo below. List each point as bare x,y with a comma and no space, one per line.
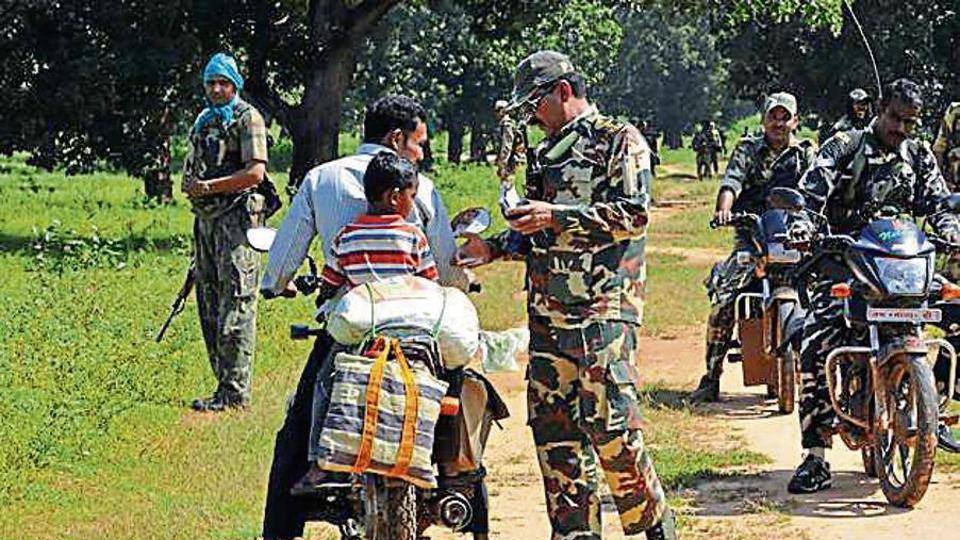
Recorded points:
903,276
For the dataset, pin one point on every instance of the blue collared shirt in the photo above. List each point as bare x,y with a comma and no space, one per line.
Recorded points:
330,197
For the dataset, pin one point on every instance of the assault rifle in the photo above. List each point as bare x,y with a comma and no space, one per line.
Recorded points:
178,303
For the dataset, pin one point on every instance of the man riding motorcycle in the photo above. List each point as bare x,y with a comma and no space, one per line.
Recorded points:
774,159
857,175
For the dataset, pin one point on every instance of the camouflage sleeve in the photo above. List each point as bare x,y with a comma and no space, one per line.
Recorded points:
934,189
622,200
946,129
507,136
189,170
253,137
736,173
820,180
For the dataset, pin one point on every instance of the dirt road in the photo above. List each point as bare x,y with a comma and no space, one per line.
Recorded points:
745,504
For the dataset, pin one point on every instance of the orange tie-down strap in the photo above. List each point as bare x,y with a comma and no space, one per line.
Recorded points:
408,436
372,410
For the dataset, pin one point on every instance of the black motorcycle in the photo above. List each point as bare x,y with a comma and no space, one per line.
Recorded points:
881,384
767,309
373,507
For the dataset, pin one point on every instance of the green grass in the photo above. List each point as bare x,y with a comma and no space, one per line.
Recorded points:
95,440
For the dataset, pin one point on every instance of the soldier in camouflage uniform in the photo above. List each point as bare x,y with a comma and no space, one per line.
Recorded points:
512,140
774,159
946,147
226,160
858,116
855,175
585,222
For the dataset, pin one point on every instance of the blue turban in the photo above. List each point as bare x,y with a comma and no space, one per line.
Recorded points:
221,65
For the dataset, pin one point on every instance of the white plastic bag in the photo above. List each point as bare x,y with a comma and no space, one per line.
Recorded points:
500,349
409,303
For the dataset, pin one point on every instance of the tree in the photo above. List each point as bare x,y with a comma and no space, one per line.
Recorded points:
911,38
126,72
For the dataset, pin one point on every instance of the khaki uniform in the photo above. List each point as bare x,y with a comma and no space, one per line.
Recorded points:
227,269
947,145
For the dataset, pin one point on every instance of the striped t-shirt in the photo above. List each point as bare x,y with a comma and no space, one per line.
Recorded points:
377,247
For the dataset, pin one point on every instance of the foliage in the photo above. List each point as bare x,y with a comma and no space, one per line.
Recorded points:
915,39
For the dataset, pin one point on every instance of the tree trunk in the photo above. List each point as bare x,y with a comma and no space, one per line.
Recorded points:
315,125
426,164
455,132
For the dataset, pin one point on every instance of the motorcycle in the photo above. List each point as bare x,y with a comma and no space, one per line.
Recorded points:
881,384
767,311
374,507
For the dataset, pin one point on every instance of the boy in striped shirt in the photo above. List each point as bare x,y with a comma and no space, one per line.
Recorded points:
378,245
381,243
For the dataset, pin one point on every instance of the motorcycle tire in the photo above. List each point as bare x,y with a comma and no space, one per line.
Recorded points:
399,517
787,375
908,491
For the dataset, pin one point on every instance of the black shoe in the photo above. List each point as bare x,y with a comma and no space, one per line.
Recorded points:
811,476
217,403
707,392
666,529
945,440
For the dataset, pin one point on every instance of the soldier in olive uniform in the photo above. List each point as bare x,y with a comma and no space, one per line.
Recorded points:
856,174
512,140
858,116
226,160
585,225
946,147
775,159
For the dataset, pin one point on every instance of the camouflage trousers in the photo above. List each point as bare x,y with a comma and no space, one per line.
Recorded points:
823,331
582,397
726,280
227,275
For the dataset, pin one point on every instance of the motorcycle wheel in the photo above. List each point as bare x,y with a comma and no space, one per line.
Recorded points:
391,509
787,373
904,457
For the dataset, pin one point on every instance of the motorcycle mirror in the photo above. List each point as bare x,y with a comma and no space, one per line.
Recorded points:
951,202
261,238
783,198
471,221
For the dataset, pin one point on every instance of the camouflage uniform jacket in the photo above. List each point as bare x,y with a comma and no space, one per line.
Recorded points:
597,170
947,144
854,177
754,169
512,146
216,150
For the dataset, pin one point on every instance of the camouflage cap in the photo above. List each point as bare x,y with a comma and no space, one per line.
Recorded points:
859,94
780,99
535,71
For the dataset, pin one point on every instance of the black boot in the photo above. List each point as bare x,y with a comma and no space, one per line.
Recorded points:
707,392
218,402
666,529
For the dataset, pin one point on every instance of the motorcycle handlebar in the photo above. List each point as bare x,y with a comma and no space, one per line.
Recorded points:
736,220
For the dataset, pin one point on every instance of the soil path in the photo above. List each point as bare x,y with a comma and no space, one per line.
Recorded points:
853,509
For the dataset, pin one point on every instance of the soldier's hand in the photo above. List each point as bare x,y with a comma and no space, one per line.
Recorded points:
532,217
198,188
722,216
474,252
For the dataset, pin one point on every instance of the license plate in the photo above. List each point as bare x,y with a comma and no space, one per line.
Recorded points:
904,315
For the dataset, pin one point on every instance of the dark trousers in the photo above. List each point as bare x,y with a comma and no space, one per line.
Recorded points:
284,515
